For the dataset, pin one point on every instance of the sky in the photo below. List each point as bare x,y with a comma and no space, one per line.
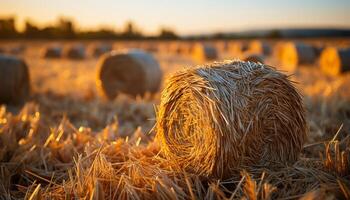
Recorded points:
183,16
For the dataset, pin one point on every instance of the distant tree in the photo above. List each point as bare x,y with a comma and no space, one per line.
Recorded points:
166,33
31,30
274,34
130,32
66,28
7,28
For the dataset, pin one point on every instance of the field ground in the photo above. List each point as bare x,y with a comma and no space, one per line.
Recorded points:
68,142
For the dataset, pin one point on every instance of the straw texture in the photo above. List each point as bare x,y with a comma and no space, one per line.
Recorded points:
215,118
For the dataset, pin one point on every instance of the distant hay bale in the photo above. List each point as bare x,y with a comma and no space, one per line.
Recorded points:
335,61
52,52
16,50
277,50
100,49
215,118
257,58
132,72
237,48
75,52
296,53
204,52
14,80
260,47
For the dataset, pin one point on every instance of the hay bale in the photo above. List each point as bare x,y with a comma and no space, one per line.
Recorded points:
335,61
237,48
132,72
75,52
100,49
277,50
260,47
296,53
204,52
215,118
257,58
16,50
14,80
52,52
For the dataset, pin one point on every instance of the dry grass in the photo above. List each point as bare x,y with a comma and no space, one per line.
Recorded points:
68,144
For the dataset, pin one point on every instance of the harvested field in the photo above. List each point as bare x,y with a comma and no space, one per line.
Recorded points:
67,142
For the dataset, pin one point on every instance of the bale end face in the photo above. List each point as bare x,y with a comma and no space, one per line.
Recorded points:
334,61
295,54
213,119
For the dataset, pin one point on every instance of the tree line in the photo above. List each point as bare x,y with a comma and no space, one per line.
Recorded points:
65,29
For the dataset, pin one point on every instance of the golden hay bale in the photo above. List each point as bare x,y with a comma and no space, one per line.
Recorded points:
100,49
204,52
257,58
14,80
296,53
259,47
237,48
132,72
75,52
16,50
335,61
215,118
277,50
52,52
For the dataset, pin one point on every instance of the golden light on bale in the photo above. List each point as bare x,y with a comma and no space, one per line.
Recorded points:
335,61
257,58
52,52
75,52
277,50
213,119
204,52
260,47
132,72
14,80
100,49
297,53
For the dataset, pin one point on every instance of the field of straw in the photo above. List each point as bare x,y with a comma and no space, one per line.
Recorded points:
69,142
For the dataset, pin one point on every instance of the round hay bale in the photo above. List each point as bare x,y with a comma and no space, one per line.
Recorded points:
260,47
204,52
16,50
14,80
133,72
277,50
75,52
335,61
52,52
257,58
215,118
100,49
237,48
296,53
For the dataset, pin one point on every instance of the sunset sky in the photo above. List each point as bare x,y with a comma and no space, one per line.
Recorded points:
184,16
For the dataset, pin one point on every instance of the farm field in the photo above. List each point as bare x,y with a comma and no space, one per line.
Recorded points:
67,141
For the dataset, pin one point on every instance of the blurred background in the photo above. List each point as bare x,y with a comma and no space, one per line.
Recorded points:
107,19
